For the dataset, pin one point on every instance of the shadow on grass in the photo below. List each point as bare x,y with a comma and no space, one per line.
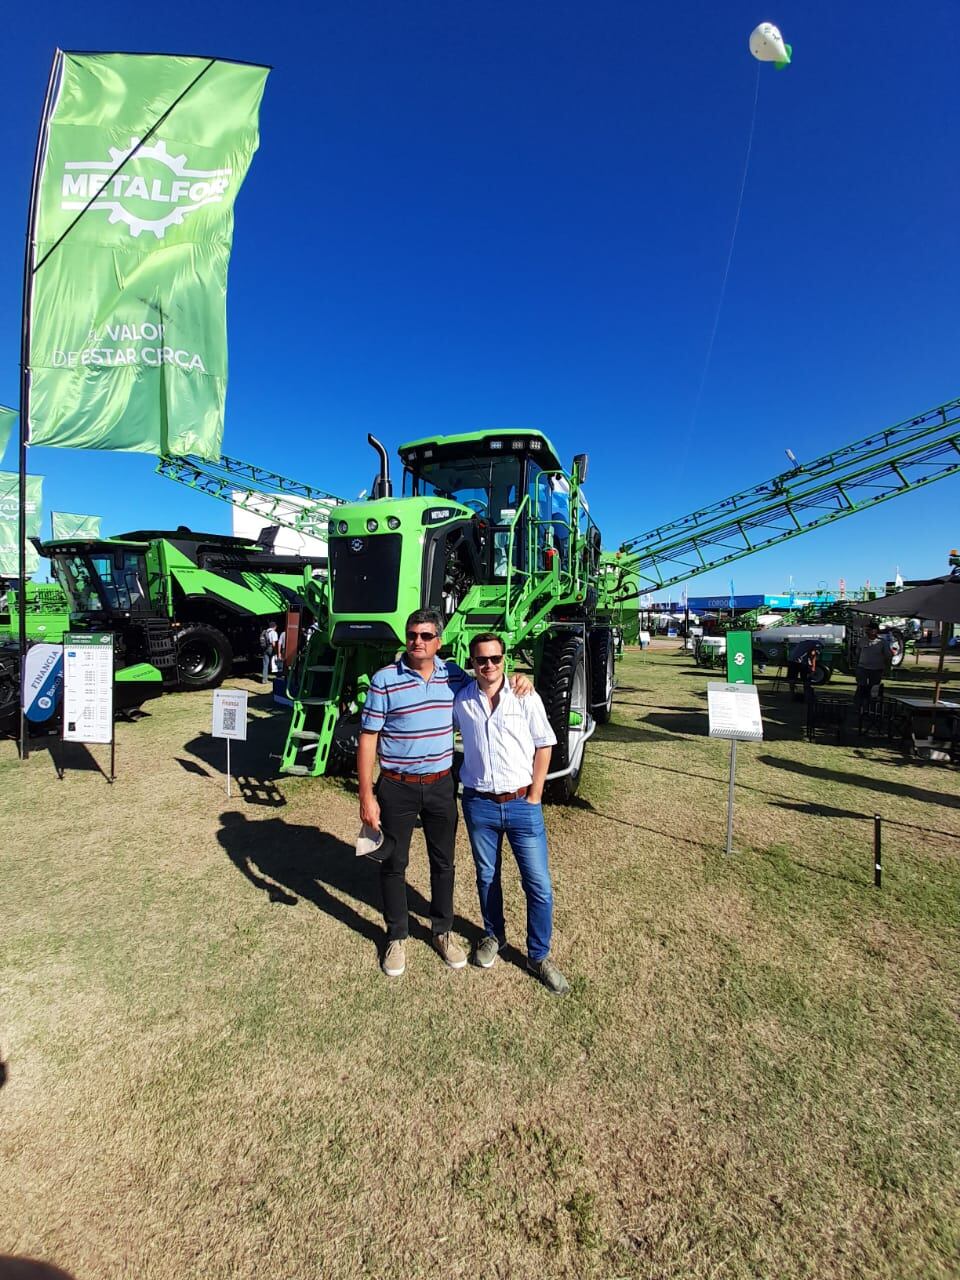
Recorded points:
289,862
579,803
692,723
855,780
779,801
254,763
73,757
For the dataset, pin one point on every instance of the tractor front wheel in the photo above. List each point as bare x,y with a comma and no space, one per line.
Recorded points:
563,684
204,656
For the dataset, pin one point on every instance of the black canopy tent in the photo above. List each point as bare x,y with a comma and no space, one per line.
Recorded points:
937,599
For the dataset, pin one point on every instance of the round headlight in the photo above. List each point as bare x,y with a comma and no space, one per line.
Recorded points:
372,525
342,526
393,522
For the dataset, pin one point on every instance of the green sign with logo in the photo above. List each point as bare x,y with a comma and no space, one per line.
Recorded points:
739,657
142,159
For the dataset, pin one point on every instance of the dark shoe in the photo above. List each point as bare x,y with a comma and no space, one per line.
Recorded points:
548,973
449,951
486,952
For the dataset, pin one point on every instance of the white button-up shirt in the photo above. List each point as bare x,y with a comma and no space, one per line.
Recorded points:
498,745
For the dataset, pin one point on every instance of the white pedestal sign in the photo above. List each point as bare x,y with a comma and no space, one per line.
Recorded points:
230,719
734,711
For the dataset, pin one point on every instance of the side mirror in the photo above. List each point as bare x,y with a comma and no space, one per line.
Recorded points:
580,462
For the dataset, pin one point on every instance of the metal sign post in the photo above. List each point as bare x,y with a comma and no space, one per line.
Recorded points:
734,711
230,719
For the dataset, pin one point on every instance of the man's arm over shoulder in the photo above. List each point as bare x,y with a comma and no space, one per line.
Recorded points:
457,678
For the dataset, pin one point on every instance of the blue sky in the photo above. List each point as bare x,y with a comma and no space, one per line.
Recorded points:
518,214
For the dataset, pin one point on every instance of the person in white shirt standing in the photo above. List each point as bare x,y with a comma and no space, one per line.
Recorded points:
507,744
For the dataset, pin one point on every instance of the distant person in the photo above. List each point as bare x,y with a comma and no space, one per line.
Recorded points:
873,662
803,658
507,744
269,640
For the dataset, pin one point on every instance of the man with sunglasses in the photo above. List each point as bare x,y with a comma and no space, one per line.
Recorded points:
407,722
507,744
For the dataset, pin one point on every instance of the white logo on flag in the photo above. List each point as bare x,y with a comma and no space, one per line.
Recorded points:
185,190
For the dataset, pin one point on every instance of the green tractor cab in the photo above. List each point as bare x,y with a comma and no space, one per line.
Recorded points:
493,533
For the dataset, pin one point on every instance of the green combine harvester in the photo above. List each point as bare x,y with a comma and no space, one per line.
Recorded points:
491,531
183,606
47,612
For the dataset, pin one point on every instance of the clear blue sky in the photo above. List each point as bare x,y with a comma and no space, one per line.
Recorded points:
518,214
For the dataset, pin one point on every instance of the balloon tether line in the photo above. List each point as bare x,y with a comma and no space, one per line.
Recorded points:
726,270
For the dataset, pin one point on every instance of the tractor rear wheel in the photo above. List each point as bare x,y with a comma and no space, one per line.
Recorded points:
563,684
602,681
204,656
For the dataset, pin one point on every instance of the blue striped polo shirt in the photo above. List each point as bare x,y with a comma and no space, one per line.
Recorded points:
413,716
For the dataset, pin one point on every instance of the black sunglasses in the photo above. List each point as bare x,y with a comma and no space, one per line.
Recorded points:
421,635
495,658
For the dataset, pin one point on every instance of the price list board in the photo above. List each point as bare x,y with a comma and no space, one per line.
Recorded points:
87,687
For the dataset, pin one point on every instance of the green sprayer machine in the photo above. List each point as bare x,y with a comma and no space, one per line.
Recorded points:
492,532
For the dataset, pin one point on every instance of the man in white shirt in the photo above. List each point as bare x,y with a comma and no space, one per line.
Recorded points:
507,744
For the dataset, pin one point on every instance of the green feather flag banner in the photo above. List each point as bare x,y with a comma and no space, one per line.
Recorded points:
67,525
10,520
7,418
142,156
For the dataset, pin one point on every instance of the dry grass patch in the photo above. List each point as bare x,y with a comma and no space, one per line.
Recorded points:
756,1073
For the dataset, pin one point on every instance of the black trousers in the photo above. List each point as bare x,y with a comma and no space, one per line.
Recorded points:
435,804
866,680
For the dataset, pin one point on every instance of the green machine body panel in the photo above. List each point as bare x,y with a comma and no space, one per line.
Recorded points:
47,613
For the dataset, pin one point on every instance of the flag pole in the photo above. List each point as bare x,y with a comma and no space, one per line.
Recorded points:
28,270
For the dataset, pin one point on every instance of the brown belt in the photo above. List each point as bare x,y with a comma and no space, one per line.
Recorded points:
503,797
413,779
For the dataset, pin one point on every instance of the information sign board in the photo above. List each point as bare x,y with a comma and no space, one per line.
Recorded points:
88,687
230,714
734,711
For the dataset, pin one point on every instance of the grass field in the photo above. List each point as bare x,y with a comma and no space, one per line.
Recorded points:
757,1073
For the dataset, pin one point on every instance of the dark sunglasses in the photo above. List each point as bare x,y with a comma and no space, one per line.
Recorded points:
495,658
421,635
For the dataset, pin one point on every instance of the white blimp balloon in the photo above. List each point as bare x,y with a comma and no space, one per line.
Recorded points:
767,45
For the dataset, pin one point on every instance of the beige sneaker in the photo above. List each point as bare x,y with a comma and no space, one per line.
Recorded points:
450,953
394,959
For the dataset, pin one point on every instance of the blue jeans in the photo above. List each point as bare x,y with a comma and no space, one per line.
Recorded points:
522,824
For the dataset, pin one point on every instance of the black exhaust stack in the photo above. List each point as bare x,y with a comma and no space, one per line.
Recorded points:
383,485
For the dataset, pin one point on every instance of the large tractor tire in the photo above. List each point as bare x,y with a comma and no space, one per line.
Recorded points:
9,689
204,656
564,685
603,653
898,646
